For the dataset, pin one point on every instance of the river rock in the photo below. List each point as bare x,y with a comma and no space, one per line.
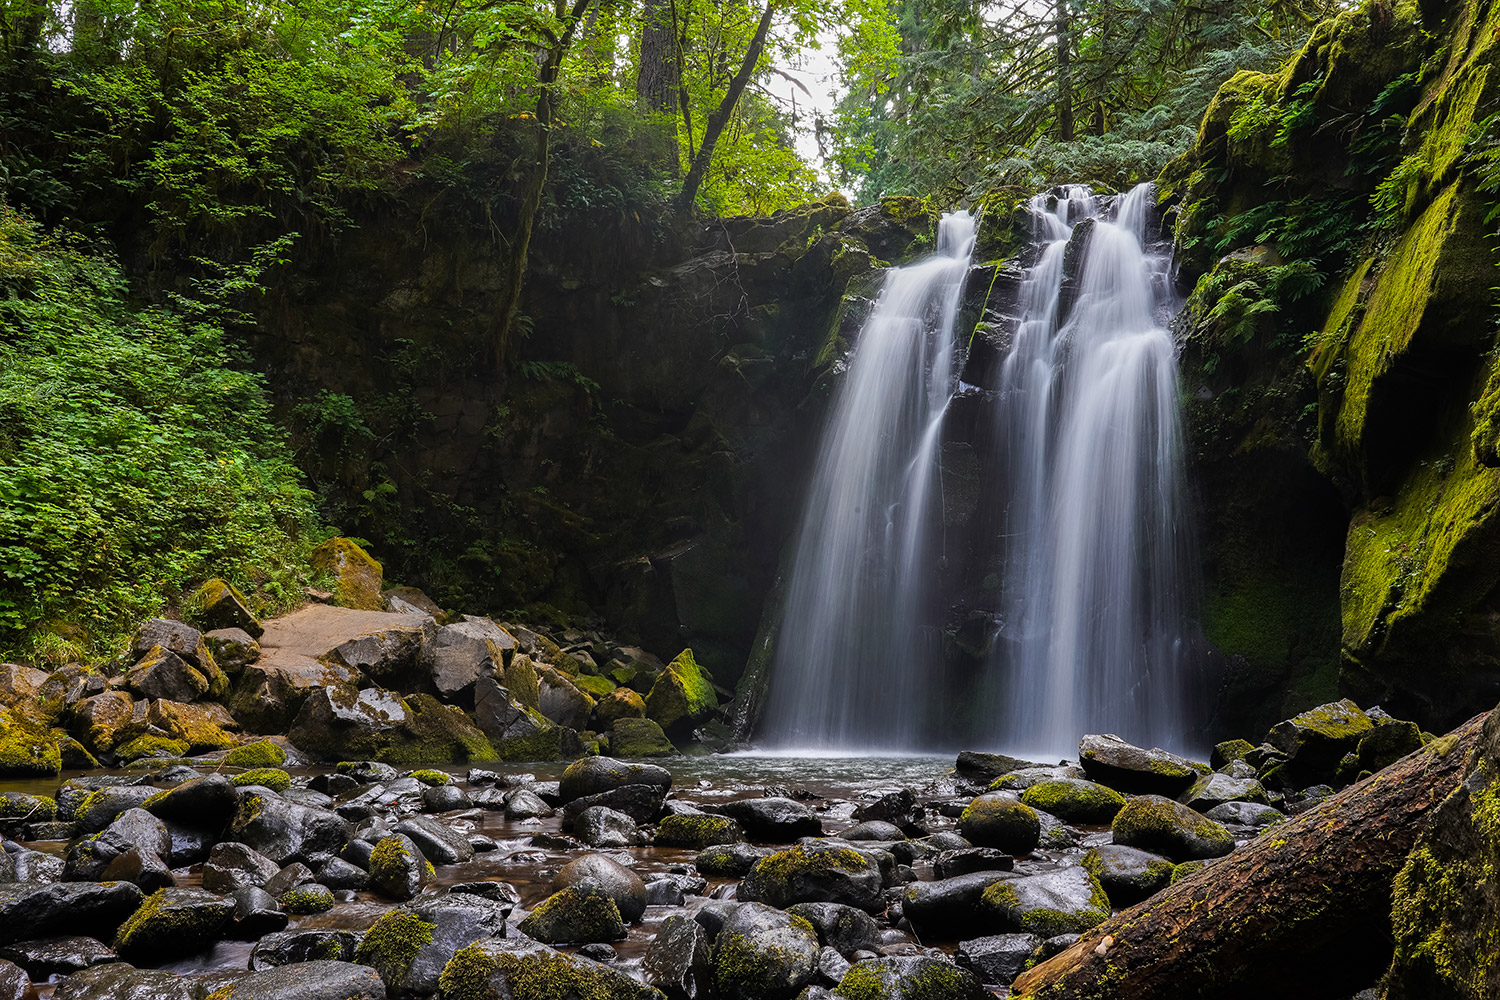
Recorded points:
600,826
285,831
439,843
875,829
841,927
523,803
398,869
762,953
306,898
729,860
161,673
1246,814
101,807
40,910
142,867
1215,789
503,968
948,907
117,981
999,819
698,831
814,872
998,958
623,885
576,915
289,947
971,859
457,655
174,923
1162,826
981,769
233,649
1128,875
1074,800
1316,741
209,802
773,819
1019,780
1387,743
1065,901
592,775
912,977
232,866
308,981
679,960
1111,761
642,803
639,738
442,925
57,956
337,873
256,914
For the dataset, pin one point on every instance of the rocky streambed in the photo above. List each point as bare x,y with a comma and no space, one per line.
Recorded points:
255,873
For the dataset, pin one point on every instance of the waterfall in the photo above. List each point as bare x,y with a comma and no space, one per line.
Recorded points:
851,669
1095,545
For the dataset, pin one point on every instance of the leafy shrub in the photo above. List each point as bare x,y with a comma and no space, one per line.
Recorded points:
134,459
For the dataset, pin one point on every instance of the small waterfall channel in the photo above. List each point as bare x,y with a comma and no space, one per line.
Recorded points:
850,670
1086,531
1096,548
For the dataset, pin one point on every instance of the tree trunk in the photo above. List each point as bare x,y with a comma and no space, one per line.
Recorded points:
536,180
1303,910
722,113
658,82
1064,73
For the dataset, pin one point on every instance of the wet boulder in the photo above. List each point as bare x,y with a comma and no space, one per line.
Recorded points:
1128,875
966,860
1246,814
874,829
679,960
912,977
774,819
141,867
100,807
682,695
397,868
593,775
57,956
642,803
1316,741
232,866
209,802
523,803
1000,820
439,843
762,953
729,860
289,947
1073,800
948,907
286,831
623,885
639,738
1215,789
174,923
38,910
321,980
1065,901
1160,825
306,899
600,826
698,831
1134,770
256,914
843,928
118,981
575,915
998,958
411,945
815,872
518,969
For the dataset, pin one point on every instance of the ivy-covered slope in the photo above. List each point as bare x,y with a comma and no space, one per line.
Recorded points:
1334,222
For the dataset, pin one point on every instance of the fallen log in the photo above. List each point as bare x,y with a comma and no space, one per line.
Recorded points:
1302,910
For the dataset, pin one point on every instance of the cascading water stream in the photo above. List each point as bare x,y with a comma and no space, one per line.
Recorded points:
850,669
1095,543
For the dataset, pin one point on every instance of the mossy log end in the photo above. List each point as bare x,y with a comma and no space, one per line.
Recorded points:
1302,910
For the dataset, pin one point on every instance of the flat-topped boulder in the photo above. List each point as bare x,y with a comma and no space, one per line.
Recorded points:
1111,761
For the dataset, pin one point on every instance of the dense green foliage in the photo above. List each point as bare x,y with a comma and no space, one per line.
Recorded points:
1016,96
135,457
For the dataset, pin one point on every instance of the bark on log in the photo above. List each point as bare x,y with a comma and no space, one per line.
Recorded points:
1302,910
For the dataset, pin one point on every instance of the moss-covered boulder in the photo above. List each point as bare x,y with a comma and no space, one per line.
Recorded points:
639,738
621,703
1387,743
1075,801
161,673
1159,825
1135,770
233,649
273,778
411,945
98,721
552,743
815,871
576,915
356,576
27,752
1000,819
342,722
203,726
909,978
595,775
518,969
261,753
763,953
397,868
306,899
1127,874
1317,740
1066,901
683,694
698,831
173,923
729,860
218,605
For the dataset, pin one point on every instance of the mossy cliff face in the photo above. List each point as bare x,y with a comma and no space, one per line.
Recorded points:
639,450
1342,429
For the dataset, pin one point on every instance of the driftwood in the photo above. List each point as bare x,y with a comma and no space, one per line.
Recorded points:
1301,911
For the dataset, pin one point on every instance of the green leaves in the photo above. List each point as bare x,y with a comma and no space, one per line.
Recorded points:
134,459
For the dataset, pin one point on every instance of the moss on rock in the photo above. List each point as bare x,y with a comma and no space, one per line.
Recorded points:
1075,801
273,778
262,753
393,943
682,695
